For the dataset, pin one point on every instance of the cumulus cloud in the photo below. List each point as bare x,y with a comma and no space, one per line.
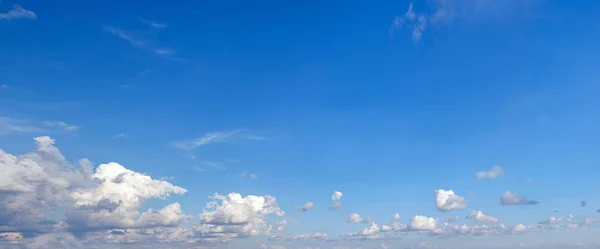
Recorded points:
395,225
446,200
36,183
307,206
366,233
420,222
18,12
234,216
496,171
479,216
336,196
509,198
52,241
356,219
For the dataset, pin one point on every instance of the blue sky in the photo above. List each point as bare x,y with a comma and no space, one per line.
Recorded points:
381,101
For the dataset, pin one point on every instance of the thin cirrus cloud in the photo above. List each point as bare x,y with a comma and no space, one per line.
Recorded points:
18,12
141,43
62,125
214,137
442,13
154,24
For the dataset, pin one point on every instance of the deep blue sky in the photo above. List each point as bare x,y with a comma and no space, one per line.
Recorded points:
344,104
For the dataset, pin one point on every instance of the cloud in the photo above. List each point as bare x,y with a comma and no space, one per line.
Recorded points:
251,175
336,196
307,206
118,136
11,125
58,240
412,21
496,171
420,222
356,219
154,24
509,198
335,206
479,216
139,43
61,125
18,12
210,138
442,13
446,200
234,216
3,86
38,182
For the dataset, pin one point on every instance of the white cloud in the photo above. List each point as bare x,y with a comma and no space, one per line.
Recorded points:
36,183
509,198
356,219
209,138
307,206
154,24
496,171
479,216
234,216
336,196
446,200
120,135
18,12
61,125
140,43
420,222
417,23
368,231
11,125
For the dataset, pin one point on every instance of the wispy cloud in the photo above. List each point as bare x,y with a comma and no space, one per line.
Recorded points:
3,86
18,12
118,136
140,43
441,13
62,125
154,24
251,175
214,137
11,125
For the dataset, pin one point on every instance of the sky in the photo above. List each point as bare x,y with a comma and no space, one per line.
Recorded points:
299,124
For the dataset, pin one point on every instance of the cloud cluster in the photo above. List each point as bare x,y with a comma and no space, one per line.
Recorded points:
41,181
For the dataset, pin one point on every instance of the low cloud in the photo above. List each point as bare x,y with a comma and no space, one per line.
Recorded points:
496,171
446,200
510,198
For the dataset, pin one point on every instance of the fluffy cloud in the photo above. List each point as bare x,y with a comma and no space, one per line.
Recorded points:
36,183
509,198
446,200
367,233
115,201
234,216
336,196
395,225
479,216
420,222
356,219
307,206
496,171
